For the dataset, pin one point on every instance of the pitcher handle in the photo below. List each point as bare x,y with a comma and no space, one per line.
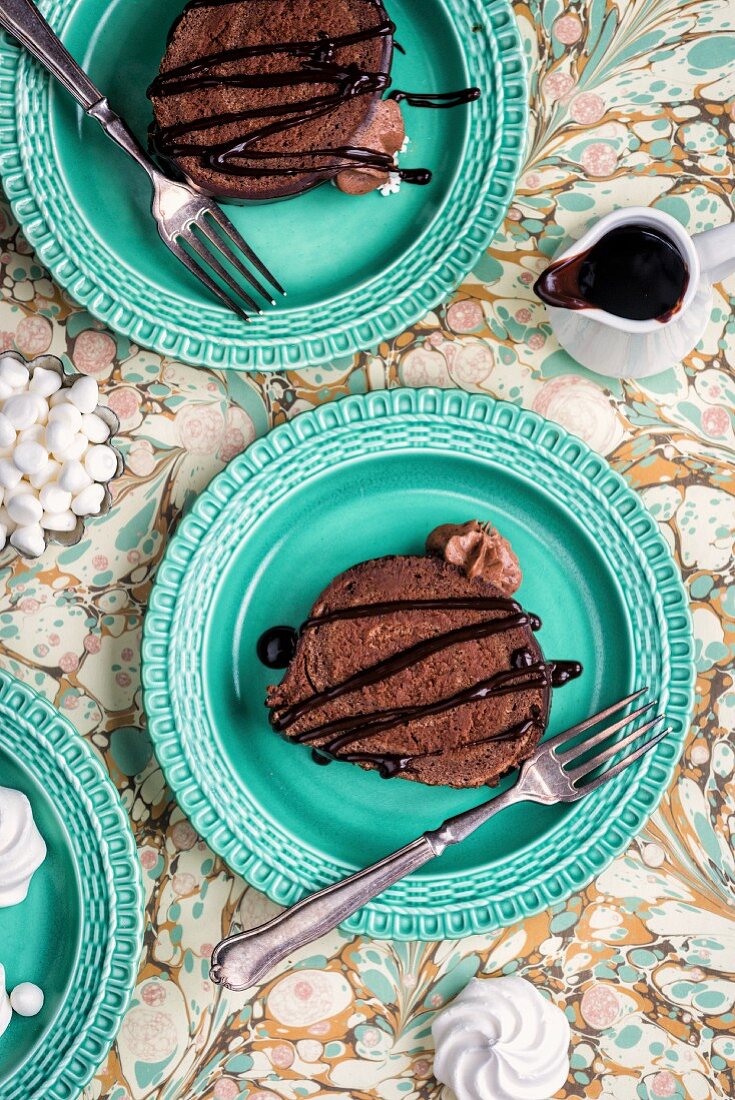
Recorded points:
716,251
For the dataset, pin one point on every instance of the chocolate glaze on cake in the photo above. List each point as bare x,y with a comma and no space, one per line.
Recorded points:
408,666
262,99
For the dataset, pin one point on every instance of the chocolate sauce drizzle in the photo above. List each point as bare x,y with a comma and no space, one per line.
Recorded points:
317,65
526,672
391,665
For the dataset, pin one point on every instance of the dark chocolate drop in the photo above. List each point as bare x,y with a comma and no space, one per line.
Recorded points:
564,671
276,647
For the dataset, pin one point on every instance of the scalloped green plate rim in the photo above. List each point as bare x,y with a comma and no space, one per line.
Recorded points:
419,259
96,829
425,426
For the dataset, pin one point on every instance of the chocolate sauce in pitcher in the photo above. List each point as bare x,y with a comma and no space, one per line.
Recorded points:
635,271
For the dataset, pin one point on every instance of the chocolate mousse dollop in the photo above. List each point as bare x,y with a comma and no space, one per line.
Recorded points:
479,551
385,133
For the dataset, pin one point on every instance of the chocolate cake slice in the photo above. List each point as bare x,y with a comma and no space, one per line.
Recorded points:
261,99
409,666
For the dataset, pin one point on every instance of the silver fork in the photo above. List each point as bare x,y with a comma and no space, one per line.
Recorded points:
558,771
177,208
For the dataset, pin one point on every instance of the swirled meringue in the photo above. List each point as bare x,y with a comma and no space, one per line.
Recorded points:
500,1039
22,848
5,1009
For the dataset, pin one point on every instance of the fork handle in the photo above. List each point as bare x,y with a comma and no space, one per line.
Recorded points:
23,20
241,960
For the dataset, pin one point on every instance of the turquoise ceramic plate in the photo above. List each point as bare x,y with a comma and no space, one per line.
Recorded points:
79,932
357,270
368,476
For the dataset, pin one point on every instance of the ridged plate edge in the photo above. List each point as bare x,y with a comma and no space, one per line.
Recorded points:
197,334
102,843
465,914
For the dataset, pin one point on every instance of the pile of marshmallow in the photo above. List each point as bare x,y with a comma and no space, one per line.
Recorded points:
55,459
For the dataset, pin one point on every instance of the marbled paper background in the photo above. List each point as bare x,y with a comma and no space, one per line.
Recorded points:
633,102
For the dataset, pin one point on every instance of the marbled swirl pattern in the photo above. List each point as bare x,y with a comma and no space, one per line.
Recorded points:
632,102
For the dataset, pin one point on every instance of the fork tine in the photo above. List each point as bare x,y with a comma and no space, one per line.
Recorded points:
589,765
228,228
585,788
219,242
210,258
197,270
567,735
608,731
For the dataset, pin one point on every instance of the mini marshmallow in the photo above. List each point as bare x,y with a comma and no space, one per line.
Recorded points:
89,501
60,521
5,390
22,410
5,519
45,382
29,540
30,458
76,450
73,477
58,437
27,999
10,475
66,414
94,428
54,499
24,508
100,462
85,394
35,434
50,472
58,398
7,431
3,535
13,373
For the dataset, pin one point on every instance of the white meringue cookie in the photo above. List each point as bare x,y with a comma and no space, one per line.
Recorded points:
58,398
50,473
25,507
76,449
13,373
85,394
59,521
501,1039
45,382
100,462
22,410
5,1009
95,428
89,501
67,414
10,475
29,540
7,431
53,498
22,848
30,458
58,437
73,477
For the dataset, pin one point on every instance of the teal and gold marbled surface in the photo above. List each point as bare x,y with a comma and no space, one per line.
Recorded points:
632,102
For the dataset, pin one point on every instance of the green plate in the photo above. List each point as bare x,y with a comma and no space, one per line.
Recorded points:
368,476
357,270
79,933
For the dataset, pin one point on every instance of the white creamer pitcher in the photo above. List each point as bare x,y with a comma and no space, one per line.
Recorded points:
624,348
